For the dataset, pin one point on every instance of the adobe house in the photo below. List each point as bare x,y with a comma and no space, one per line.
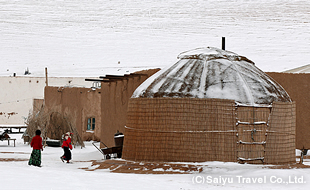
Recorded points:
298,87
115,94
16,104
81,107
97,112
212,105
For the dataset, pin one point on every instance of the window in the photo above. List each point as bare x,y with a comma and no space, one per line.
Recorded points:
91,123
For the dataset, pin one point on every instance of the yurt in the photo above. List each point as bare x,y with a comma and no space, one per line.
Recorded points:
211,105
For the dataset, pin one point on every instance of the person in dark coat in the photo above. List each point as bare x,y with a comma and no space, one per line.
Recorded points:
66,145
37,147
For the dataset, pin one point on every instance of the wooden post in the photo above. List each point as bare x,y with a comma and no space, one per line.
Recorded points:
46,81
223,43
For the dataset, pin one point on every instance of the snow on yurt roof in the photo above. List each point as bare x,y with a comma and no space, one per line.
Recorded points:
213,73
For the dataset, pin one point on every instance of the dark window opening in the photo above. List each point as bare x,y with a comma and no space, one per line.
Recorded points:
91,122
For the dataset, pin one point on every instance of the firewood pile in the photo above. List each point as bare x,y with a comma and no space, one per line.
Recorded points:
52,125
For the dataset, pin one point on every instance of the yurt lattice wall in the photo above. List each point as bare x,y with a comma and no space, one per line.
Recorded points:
280,140
197,130
180,129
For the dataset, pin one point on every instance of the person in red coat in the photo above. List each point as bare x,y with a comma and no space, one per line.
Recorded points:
66,145
37,147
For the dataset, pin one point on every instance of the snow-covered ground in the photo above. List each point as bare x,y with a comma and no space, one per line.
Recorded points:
54,174
92,38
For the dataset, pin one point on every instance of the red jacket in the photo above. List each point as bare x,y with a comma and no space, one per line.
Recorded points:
67,143
36,143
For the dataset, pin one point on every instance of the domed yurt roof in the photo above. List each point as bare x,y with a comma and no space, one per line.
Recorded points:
213,73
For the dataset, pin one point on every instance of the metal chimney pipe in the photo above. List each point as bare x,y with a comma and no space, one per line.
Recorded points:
46,78
223,43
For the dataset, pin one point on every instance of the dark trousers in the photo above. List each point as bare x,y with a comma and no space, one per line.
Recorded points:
67,154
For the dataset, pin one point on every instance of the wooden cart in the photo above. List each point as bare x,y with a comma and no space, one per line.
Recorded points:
113,152
110,152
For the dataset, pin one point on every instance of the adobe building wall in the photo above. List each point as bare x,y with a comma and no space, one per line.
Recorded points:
114,103
17,94
108,105
78,104
298,87
37,105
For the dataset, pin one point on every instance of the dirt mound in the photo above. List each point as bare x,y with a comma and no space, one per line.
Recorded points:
290,166
120,166
11,159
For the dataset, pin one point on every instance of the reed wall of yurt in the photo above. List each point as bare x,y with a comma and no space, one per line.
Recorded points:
280,140
180,129
198,130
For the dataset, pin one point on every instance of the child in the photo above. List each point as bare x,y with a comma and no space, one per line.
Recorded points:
66,145
36,144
